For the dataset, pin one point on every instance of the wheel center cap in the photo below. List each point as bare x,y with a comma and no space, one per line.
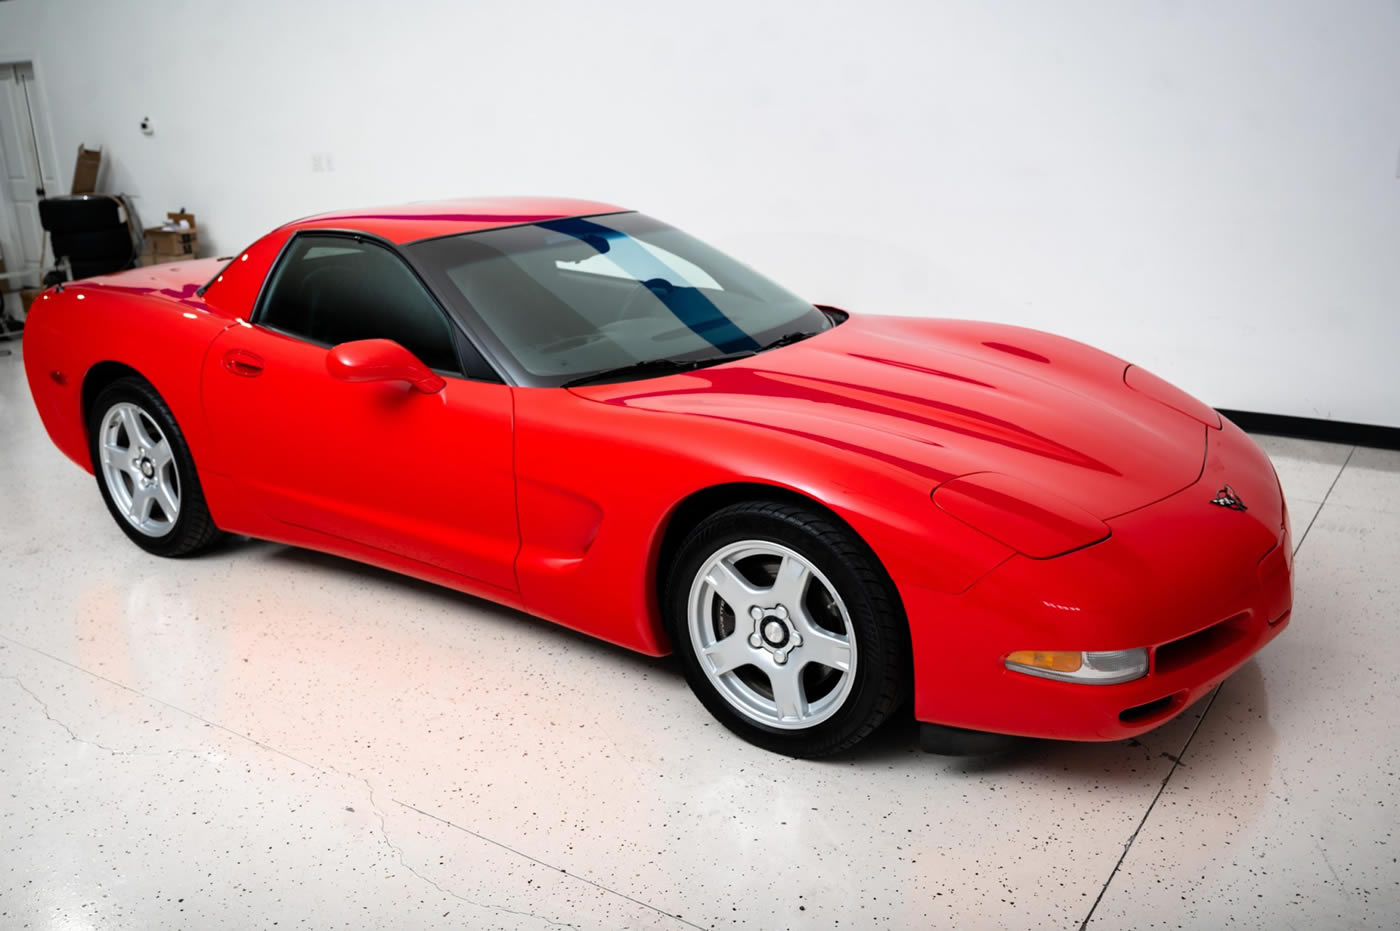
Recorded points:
775,632
147,469
772,633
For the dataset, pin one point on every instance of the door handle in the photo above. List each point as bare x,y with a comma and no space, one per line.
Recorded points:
242,362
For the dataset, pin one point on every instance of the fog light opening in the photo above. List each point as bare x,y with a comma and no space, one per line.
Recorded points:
1139,713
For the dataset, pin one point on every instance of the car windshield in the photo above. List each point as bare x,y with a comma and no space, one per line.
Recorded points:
608,298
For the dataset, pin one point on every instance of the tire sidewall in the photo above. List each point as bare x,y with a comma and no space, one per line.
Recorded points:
134,391
876,652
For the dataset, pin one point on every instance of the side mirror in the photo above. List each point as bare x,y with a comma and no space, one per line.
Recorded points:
381,360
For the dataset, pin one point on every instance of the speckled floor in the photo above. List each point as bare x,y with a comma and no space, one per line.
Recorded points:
270,737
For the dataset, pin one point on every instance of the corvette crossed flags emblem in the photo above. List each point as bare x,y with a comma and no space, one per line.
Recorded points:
1227,498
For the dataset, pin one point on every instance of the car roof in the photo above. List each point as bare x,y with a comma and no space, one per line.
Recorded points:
405,223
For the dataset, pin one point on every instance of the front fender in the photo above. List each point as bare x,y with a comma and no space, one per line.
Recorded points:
597,483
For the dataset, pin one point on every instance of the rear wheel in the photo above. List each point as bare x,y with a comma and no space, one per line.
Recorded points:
145,472
788,628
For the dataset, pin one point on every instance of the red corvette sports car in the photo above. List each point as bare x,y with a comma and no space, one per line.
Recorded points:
579,411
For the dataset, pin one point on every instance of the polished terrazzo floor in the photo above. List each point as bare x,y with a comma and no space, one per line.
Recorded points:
270,737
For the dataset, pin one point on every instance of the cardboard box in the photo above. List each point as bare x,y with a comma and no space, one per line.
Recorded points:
174,244
152,258
85,172
171,242
27,297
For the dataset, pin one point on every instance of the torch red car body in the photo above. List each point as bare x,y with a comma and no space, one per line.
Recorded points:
1021,490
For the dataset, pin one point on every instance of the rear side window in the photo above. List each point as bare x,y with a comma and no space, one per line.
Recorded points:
335,289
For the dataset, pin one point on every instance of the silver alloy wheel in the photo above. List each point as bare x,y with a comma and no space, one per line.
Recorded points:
781,653
138,467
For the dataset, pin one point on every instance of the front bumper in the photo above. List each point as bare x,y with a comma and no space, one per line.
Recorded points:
1202,587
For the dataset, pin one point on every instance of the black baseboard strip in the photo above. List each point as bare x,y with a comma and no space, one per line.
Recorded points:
1311,428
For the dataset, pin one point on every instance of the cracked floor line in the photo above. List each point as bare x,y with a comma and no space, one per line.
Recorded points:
1323,503
1128,844
1176,761
328,770
44,708
398,851
520,853
159,701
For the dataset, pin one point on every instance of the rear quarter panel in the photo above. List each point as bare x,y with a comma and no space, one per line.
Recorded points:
162,336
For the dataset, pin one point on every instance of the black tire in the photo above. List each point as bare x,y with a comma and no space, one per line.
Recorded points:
882,675
75,213
194,529
83,270
107,245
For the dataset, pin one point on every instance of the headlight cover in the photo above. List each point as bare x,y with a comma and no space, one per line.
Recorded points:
1094,668
1025,517
1164,392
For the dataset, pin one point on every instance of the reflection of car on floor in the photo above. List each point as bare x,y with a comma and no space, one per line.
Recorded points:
582,412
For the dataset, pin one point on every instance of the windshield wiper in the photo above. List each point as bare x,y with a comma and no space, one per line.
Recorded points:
649,367
786,338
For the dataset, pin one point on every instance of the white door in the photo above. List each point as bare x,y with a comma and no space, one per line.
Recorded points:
23,181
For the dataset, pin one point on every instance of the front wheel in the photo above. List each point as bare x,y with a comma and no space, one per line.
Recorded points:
145,471
789,630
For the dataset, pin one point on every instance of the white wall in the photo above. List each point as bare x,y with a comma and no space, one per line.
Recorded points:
1210,189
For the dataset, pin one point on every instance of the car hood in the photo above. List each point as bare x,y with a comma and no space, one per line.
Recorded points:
944,398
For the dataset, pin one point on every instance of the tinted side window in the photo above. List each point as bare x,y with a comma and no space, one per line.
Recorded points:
333,289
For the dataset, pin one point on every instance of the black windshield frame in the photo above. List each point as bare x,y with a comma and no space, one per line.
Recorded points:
438,258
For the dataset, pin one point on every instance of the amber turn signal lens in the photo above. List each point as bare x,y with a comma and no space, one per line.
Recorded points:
1105,667
1056,660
